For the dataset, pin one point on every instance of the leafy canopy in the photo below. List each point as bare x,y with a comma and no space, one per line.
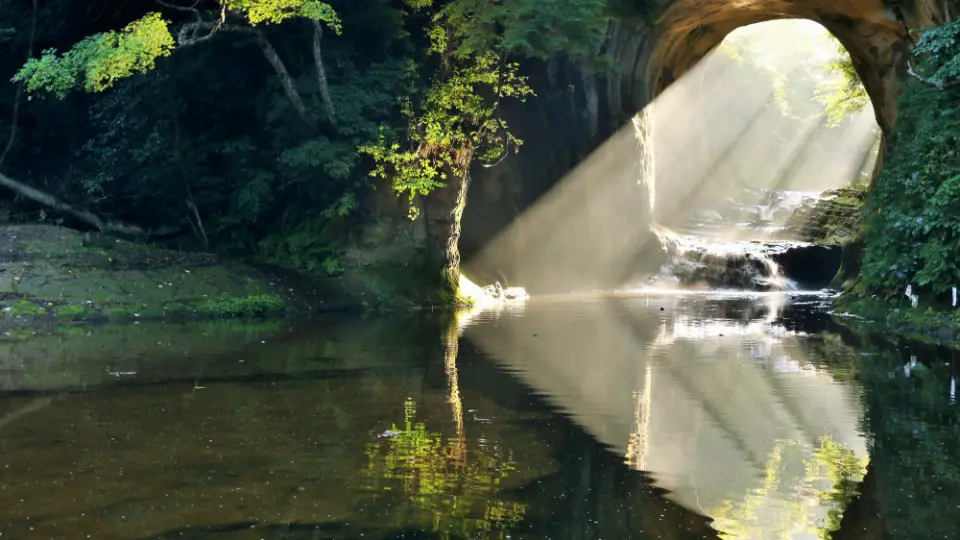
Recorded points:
278,11
452,121
100,60
528,28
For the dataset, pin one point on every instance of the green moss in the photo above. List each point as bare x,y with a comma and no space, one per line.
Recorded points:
73,311
251,306
122,311
25,308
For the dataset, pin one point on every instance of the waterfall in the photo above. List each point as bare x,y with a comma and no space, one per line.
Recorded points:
693,262
699,259
735,245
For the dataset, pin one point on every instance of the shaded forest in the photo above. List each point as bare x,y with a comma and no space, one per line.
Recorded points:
259,126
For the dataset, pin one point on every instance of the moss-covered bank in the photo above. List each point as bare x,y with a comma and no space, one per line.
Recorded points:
48,271
898,321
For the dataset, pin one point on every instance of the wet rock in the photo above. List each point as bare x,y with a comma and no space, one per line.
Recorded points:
810,266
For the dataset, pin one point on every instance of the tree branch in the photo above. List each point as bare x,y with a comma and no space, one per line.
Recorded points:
271,55
198,229
82,214
938,85
189,33
321,72
189,9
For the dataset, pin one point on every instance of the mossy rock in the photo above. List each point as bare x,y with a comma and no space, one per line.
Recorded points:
259,305
835,218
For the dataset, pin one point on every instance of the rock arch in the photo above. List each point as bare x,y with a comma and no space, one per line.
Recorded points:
868,30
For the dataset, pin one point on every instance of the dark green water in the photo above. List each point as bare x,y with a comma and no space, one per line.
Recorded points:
678,417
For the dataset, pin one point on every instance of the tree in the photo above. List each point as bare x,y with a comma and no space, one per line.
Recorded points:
842,94
474,43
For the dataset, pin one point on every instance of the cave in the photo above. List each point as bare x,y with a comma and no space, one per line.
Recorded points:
577,110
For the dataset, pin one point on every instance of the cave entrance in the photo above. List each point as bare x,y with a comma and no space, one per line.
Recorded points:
731,143
773,115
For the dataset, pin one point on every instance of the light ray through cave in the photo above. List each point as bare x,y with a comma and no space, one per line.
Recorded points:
745,120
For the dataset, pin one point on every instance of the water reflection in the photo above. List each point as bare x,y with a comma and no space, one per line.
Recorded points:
730,414
605,418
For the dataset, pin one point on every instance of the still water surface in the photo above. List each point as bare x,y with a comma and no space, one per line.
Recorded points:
632,417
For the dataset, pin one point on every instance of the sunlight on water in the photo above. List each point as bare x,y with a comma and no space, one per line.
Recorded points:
722,409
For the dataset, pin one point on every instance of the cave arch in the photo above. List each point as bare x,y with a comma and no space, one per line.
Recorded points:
870,32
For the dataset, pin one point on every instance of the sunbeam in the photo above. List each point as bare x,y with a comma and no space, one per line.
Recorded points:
746,120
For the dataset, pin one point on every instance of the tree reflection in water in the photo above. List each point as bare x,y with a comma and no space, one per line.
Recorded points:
457,492
829,482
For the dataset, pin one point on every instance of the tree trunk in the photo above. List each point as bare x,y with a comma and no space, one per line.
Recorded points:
321,72
81,214
271,54
450,219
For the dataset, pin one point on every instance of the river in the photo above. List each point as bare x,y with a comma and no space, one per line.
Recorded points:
673,416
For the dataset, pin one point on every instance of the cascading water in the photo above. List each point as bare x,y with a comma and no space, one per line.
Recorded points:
735,247
695,263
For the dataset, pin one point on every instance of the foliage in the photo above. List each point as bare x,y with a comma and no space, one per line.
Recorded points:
308,247
100,60
843,94
278,11
913,235
416,85
526,28
453,121
808,87
939,52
